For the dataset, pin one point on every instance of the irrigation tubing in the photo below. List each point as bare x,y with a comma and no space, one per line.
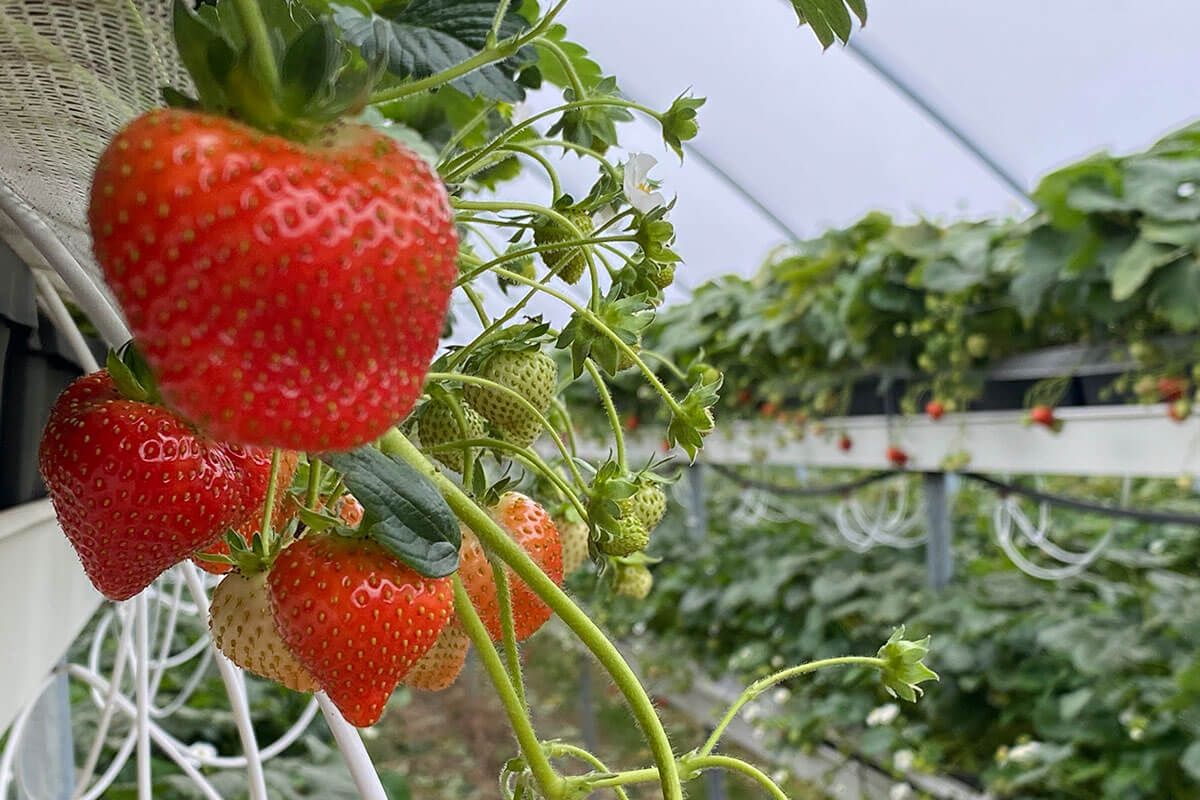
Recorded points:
1001,487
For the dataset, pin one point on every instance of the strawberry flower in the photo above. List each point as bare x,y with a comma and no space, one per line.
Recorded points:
640,189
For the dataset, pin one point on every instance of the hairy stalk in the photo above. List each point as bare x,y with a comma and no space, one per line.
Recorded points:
736,765
269,503
762,684
531,748
508,551
514,255
508,632
561,749
262,54
489,55
527,457
614,420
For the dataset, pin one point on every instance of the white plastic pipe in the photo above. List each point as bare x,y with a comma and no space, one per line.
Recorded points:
362,771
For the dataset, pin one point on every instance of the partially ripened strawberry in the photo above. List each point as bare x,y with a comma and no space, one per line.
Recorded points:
935,409
530,373
532,528
356,617
285,509
244,630
1171,388
896,456
284,294
136,489
440,667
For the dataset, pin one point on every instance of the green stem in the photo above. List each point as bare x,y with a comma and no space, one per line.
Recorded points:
736,765
513,255
531,748
464,160
259,41
269,503
559,749
565,62
527,457
614,420
555,186
465,131
524,403
508,551
623,778
497,21
477,303
460,419
762,684
488,55
313,492
508,632
666,362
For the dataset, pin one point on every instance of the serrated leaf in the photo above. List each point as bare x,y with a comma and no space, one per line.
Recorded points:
403,511
428,36
588,71
1137,264
859,7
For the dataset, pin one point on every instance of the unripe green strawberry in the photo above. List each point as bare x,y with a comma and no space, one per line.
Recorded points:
530,373
648,504
574,537
522,435
439,425
663,275
631,536
566,262
633,580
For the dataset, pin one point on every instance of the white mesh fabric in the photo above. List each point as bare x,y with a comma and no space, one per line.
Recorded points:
72,72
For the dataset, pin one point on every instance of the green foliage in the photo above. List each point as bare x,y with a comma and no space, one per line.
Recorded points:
424,37
830,19
1085,689
1111,257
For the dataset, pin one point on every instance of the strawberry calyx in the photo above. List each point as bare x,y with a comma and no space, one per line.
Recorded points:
281,69
131,375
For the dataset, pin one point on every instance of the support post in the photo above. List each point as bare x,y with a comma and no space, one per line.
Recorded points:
714,783
939,559
46,759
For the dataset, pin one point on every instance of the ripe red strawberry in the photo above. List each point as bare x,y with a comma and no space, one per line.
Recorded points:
1042,415
136,489
243,629
285,509
845,443
935,410
1171,388
532,528
896,456
356,617
440,667
257,272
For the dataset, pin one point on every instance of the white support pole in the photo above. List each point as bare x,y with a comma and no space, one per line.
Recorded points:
362,771
141,639
235,687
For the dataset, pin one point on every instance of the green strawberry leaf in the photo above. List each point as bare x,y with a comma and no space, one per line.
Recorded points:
626,317
427,36
594,127
403,511
830,19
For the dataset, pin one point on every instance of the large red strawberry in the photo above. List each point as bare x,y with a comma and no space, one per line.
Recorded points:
356,617
135,488
532,528
285,509
284,294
